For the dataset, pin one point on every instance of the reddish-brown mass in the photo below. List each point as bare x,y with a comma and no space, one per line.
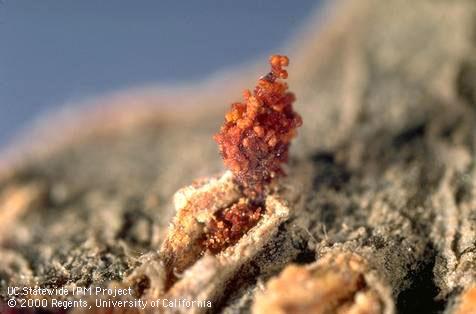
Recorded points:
230,224
255,138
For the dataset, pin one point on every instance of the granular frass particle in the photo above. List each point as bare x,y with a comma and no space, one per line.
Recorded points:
230,224
255,137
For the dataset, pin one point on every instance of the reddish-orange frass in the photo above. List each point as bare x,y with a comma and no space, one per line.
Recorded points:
230,224
254,140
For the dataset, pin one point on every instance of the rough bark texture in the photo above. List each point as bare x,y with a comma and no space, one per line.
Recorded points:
384,165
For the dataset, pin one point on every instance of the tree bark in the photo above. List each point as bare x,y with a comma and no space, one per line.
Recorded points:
383,172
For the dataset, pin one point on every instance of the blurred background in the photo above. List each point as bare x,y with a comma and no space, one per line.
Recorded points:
55,53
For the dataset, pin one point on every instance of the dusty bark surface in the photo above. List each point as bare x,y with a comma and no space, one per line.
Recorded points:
383,170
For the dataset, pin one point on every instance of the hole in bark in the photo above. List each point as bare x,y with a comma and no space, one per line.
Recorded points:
420,296
227,226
